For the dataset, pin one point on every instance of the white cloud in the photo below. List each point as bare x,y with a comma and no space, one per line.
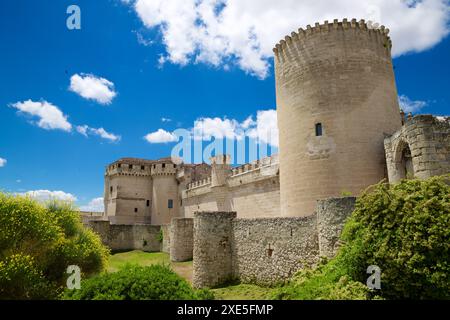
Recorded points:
142,40
244,32
86,130
166,120
161,136
44,195
3,162
50,116
409,105
206,128
95,205
264,129
94,88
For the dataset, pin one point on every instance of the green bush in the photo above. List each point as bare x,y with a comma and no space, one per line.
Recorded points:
328,281
133,282
37,244
405,230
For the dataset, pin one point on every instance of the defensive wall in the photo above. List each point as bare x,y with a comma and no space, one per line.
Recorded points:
421,148
224,247
252,190
264,250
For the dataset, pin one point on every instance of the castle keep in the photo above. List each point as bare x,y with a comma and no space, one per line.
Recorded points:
341,130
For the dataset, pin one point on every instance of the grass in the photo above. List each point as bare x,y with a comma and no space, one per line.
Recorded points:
141,258
243,292
184,269
119,260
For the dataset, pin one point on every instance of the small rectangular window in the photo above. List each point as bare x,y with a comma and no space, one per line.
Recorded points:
119,165
163,165
170,204
148,203
135,209
318,129
111,189
142,168
130,166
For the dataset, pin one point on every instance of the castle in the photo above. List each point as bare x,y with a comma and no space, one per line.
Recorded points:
341,130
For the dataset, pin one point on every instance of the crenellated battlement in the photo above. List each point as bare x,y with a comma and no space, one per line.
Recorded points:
199,183
380,32
128,168
255,165
163,169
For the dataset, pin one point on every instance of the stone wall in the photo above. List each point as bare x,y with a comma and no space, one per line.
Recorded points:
182,239
251,190
264,250
331,216
336,76
212,248
165,245
267,251
127,237
420,149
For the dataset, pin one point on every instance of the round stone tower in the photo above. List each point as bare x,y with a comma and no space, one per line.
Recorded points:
165,202
336,101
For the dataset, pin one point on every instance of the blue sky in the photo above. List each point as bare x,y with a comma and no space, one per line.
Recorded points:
150,80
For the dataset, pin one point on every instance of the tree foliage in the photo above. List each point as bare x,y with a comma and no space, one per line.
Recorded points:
37,244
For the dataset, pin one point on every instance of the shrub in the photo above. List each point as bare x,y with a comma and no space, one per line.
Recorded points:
133,282
326,282
37,244
405,230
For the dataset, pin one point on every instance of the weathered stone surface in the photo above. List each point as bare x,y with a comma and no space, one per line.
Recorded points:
264,250
128,237
428,140
182,239
212,248
331,216
270,250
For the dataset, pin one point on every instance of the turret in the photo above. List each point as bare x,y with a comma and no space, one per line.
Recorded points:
336,101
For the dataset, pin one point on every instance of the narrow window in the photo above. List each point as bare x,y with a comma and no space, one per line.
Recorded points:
148,203
130,166
318,129
142,168
135,210
111,189
119,165
170,204
163,165
174,166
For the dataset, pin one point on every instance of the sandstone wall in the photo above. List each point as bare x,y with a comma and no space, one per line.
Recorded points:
337,74
252,190
182,239
428,140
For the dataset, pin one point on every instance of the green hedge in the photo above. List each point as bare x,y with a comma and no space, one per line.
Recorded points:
37,244
133,282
